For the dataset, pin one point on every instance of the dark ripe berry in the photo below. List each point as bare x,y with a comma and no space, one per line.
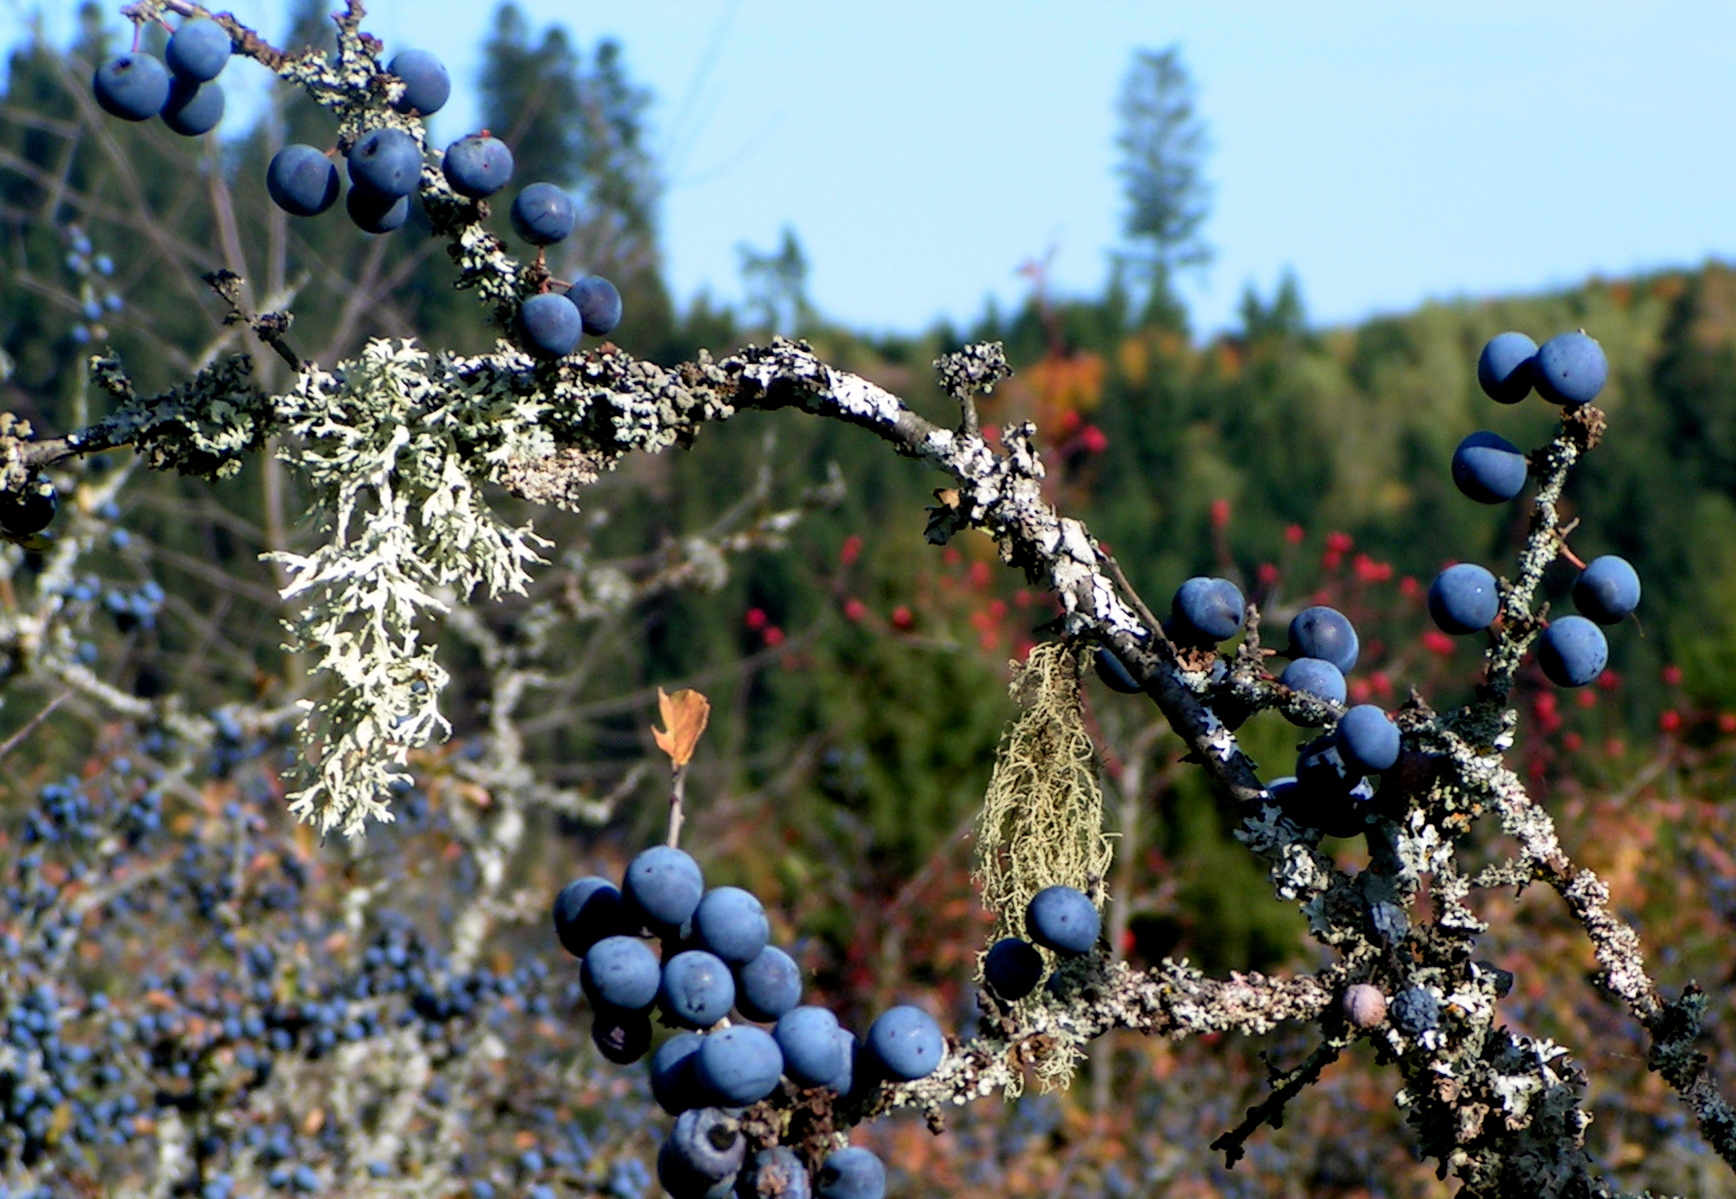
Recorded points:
1285,793
808,1038
1327,634
1572,651
586,911
775,1173
551,324
621,1037
302,181
1488,468
1114,674
682,1181
1012,968
674,1085
387,162
599,304
199,50
1607,590
768,986
739,1065
620,972
697,989
1571,369
133,87
1321,778
1415,1010
1464,599
543,214
709,1142
376,214
906,1042
1504,369
1207,611
1367,740
664,885
731,923
427,86
1320,679
1063,919
477,166
193,109
852,1173
30,510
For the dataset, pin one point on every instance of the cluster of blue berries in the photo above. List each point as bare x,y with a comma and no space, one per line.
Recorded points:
385,168
137,86
717,958
1061,919
1570,370
1331,790
1204,612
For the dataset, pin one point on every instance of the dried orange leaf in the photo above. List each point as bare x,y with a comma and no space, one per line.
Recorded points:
684,717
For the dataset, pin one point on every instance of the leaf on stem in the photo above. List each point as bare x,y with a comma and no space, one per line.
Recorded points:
684,717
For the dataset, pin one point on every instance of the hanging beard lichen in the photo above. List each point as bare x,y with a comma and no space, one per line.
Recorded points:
1042,818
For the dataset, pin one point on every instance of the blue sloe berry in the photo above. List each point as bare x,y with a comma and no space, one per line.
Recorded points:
708,1142
1114,673
301,180
731,923
620,972
906,1042
1571,369
193,109
1367,740
1504,368
1315,677
598,303
740,1065
621,1037
1607,590
551,324
852,1173
387,162
478,165
673,1083
1415,1010
1488,468
1063,919
664,885
775,1173
586,911
373,213
199,50
542,214
133,87
768,986
697,990
808,1038
1327,634
1207,611
1012,968
1463,599
427,86
1572,651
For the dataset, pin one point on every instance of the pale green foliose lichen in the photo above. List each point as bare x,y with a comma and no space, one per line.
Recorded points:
395,447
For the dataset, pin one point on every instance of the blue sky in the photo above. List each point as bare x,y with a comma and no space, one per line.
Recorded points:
1387,153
